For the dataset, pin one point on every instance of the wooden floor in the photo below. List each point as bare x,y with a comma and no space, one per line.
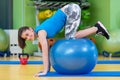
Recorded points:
26,72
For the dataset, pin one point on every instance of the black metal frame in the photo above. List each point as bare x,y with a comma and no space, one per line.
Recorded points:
45,4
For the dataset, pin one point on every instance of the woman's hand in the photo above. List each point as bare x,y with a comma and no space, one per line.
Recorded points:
40,74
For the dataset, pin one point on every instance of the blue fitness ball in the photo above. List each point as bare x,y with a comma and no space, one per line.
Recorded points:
74,56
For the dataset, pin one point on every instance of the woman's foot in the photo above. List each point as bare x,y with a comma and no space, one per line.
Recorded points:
102,30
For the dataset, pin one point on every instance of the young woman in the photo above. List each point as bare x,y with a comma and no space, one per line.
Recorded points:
68,16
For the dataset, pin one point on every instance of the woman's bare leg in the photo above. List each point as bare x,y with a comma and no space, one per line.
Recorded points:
86,32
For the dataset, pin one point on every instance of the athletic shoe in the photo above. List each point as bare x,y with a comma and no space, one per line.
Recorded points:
102,30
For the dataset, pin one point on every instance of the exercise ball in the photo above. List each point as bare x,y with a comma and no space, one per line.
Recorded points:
74,56
4,40
113,44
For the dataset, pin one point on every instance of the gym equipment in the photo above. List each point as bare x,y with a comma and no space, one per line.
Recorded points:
58,4
23,58
74,56
45,14
85,14
113,44
4,40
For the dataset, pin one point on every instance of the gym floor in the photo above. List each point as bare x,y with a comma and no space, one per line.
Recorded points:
26,72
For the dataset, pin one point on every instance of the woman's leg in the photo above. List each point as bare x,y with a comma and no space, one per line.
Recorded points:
98,28
73,13
86,32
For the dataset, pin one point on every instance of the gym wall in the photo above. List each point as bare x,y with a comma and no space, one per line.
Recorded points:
6,10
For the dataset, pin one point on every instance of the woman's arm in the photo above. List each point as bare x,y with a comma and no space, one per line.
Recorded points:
44,44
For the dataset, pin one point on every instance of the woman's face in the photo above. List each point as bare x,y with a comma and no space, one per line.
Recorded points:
28,34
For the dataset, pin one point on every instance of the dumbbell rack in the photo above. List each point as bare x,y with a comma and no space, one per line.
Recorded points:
51,5
39,4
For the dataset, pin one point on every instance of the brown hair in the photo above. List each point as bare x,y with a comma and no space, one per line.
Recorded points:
21,41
